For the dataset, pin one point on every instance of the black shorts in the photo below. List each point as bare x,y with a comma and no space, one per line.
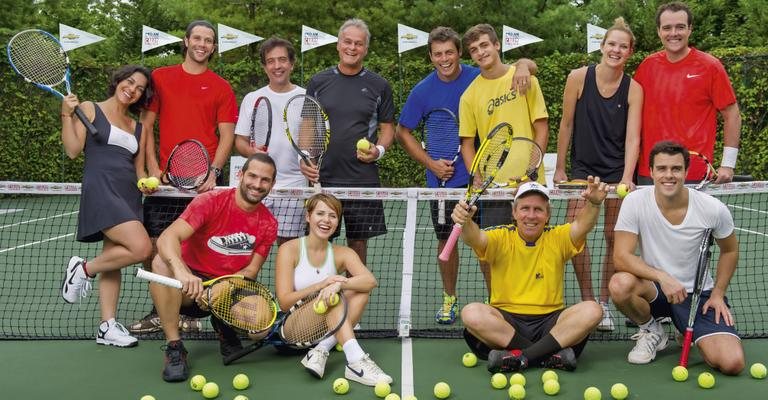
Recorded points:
494,212
193,310
363,219
160,212
704,325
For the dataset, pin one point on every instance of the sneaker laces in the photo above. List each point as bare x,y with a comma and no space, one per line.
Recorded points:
85,288
120,328
370,366
234,238
448,302
647,340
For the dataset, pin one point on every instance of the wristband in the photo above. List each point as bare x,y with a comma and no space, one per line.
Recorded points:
382,150
730,154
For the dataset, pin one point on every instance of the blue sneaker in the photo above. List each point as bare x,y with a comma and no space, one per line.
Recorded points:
446,315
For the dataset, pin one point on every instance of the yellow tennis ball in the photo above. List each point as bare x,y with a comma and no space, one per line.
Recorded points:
240,381
339,347
706,380
498,380
240,397
197,382
552,387
210,390
341,386
147,397
320,307
152,182
382,389
334,299
363,145
549,375
592,393
619,391
442,390
680,373
758,371
392,396
517,379
622,190
516,392
469,360
142,183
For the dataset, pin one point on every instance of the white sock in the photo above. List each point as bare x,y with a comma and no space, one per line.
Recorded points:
353,351
651,325
327,343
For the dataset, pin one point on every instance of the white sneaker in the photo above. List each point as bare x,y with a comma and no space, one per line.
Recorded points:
606,324
314,362
366,372
648,343
76,283
113,333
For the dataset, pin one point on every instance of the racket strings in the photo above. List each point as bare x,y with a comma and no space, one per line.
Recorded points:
307,123
304,325
244,304
260,123
441,135
38,57
188,165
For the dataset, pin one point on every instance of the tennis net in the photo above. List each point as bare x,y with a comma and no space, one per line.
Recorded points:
37,237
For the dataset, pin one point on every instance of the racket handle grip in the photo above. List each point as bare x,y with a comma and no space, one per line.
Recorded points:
450,243
87,123
157,278
686,347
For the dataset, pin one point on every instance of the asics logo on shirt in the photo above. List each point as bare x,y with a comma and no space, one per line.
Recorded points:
499,101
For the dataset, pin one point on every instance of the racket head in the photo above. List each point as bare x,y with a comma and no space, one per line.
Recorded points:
39,58
307,127
489,160
241,303
188,165
440,134
261,123
702,271
302,327
699,161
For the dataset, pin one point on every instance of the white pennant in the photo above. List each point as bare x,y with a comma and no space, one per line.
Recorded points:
410,38
152,38
72,38
595,36
230,38
311,38
513,38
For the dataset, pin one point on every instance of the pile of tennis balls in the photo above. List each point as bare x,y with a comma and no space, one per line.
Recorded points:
210,390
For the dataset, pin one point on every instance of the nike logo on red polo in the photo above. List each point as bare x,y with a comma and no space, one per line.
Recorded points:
689,76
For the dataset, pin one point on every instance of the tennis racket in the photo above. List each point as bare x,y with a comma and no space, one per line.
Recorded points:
261,123
702,271
502,160
573,184
240,302
38,57
300,327
710,173
440,139
188,165
307,128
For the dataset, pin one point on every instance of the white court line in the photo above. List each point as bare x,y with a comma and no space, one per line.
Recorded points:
10,210
38,219
406,368
752,232
36,242
749,209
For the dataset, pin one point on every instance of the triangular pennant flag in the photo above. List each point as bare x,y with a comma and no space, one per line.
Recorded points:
72,38
230,38
410,38
311,38
595,36
513,38
151,38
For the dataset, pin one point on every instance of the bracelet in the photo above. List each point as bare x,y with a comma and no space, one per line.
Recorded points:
382,150
730,154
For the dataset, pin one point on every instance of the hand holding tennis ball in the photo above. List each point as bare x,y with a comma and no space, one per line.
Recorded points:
333,300
210,390
240,382
469,360
758,371
363,145
442,390
622,190
142,183
152,183
680,373
382,389
197,382
320,307
341,386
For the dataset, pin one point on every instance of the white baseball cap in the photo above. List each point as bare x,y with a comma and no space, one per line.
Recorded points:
528,187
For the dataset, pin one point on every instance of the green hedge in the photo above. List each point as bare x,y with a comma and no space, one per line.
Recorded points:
29,124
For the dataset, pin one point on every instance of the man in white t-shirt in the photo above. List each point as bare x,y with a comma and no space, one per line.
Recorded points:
667,222
277,58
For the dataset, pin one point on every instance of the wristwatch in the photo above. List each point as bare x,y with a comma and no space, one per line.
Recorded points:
216,171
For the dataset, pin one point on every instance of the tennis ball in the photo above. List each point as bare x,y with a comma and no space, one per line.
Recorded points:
442,390
392,396
619,391
622,190
210,390
549,375
498,380
320,307
592,393
706,380
757,370
363,145
142,183
517,379
240,397
197,382
339,347
147,397
152,182
552,387
333,300
516,392
341,386
680,373
240,381
382,389
469,360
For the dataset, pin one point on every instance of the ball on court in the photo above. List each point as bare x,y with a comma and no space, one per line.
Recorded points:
210,390
320,307
363,145
240,381
757,370
147,397
516,392
517,379
333,300
152,183
197,382
339,347
382,389
552,387
141,183
392,396
680,373
592,393
498,381
469,360
240,397
622,190
706,380
549,375
442,390
341,386
619,391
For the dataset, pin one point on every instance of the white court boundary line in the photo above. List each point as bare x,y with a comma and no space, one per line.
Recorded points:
404,324
37,241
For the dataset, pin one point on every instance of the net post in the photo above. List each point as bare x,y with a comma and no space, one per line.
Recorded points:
409,240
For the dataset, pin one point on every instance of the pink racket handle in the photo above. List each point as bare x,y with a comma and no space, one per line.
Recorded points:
686,347
450,243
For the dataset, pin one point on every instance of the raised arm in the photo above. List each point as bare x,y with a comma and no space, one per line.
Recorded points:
594,195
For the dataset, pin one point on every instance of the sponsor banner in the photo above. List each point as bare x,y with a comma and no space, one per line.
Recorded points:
595,36
311,38
513,38
72,38
231,38
410,38
152,38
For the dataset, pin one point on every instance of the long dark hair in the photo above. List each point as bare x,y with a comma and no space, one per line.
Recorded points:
124,73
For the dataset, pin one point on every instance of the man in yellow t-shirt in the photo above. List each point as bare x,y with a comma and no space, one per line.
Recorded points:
526,322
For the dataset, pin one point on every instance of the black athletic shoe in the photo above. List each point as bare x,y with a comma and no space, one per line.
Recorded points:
564,359
506,361
176,369
229,343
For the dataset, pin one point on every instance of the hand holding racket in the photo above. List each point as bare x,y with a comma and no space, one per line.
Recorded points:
38,57
440,139
307,128
261,124
188,166
702,271
709,174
